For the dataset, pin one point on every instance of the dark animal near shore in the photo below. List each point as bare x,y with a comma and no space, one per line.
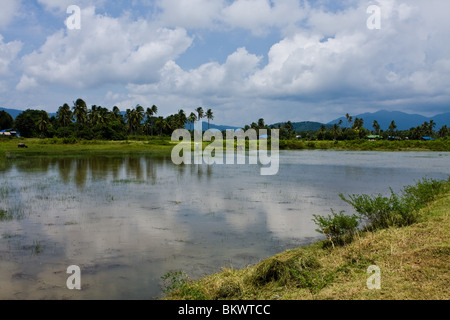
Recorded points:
22,145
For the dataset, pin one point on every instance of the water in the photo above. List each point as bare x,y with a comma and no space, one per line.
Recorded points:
128,220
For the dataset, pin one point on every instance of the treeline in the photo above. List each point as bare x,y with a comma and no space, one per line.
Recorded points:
96,122
354,129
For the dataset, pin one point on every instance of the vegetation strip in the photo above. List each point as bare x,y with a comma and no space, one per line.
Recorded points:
405,235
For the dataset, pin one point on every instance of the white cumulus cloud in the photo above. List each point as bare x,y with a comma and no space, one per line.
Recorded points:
105,50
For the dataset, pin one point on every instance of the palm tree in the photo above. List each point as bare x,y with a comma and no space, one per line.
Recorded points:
349,119
376,127
443,132
322,131
191,119
43,123
64,115
116,113
201,113
182,119
431,127
335,130
209,116
392,127
358,124
80,112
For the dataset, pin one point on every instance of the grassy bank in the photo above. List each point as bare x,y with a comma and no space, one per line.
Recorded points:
364,145
164,145
414,262
68,147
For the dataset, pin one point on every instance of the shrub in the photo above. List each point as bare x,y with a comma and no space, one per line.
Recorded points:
396,210
70,140
337,227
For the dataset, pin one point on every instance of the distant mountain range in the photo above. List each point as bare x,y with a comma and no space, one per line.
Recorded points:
404,121
304,126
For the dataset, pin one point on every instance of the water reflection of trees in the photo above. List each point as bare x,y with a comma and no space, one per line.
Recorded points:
80,170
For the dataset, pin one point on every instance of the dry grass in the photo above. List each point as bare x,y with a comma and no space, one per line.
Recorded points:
414,263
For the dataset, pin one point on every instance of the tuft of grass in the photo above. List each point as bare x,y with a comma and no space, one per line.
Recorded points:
5,215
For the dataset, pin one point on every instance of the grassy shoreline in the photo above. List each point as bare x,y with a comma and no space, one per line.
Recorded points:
413,260
164,145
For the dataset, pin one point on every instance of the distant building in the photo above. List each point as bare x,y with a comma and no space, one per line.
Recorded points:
9,133
374,137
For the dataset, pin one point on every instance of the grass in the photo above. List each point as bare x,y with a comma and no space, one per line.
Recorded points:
164,145
5,215
364,145
8,147
414,262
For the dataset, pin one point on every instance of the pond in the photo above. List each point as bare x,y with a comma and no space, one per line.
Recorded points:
127,220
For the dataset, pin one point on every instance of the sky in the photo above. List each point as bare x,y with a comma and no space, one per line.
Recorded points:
297,60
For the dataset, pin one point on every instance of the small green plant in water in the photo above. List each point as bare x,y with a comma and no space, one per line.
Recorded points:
173,280
4,215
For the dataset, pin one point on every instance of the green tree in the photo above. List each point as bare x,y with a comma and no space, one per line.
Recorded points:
201,113
27,123
443,132
349,120
181,119
80,112
43,123
335,131
376,127
431,126
191,119
6,120
392,127
209,116
64,115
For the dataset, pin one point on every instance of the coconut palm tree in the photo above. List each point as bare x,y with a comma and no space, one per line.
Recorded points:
209,116
64,115
349,119
191,119
431,127
43,123
392,127
182,119
376,127
80,112
201,113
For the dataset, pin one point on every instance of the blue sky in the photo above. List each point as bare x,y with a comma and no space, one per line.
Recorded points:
246,59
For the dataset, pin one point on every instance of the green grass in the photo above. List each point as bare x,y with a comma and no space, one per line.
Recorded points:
364,145
8,147
163,145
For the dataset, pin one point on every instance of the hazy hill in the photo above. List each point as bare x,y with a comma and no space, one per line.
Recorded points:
404,121
304,126
13,112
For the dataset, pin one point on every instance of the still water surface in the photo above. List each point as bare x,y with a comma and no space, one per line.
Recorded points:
127,220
